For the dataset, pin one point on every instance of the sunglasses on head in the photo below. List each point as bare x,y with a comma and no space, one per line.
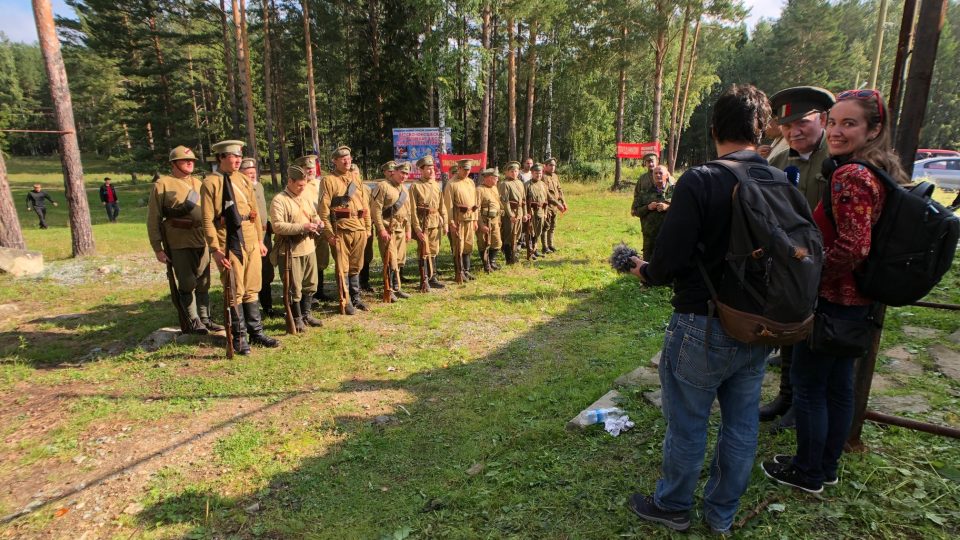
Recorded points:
864,95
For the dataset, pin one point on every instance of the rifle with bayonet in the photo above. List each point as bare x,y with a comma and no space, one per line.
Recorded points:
171,279
287,277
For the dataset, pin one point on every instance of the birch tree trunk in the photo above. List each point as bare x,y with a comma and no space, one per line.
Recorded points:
686,94
621,105
81,231
672,132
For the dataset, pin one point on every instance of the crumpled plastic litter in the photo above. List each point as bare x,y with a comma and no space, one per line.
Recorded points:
617,425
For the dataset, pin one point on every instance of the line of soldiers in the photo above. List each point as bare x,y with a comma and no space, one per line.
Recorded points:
316,218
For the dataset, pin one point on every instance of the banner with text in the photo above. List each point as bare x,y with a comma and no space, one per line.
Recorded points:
448,160
411,144
637,150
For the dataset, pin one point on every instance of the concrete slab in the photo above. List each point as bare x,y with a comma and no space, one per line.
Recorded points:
606,401
912,403
642,376
920,332
946,360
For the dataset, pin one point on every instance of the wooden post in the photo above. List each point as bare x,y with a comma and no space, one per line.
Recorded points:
862,381
10,234
79,209
899,65
268,93
929,24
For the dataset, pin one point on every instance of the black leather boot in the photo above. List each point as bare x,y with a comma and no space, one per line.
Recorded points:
492,257
434,281
778,406
297,316
239,330
396,279
251,313
203,310
354,289
308,319
320,295
466,267
425,286
487,267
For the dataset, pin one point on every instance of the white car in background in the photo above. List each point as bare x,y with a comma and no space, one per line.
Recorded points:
942,171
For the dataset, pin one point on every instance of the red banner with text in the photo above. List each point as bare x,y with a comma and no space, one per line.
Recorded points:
637,150
479,161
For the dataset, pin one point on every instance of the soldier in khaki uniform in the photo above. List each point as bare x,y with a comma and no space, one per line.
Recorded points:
513,199
369,192
308,164
537,202
296,224
346,218
460,199
557,205
250,169
488,230
428,217
173,225
241,260
390,210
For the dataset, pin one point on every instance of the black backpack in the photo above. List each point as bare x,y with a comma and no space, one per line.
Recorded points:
772,267
911,246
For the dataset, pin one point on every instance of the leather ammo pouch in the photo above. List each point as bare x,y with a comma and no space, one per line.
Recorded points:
840,337
343,212
182,223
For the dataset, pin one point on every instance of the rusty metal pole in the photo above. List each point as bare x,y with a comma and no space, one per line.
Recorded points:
899,65
79,208
929,25
862,380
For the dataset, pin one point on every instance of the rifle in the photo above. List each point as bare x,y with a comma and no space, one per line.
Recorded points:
341,282
228,289
387,263
424,262
174,290
485,256
287,277
457,254
529,230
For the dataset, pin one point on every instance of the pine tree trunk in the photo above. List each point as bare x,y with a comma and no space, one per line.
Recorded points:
686,94
487,75
311,91
373,19
230,68
621,106
243,61
268,92
672,132
659,61
492,78
80,229
281,123
164,82
10,234
511,92
531,88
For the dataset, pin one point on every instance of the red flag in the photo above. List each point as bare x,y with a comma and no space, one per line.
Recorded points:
479,161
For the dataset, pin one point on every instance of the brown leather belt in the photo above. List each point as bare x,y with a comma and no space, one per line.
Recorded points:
426,210
466,209
346,213
515,205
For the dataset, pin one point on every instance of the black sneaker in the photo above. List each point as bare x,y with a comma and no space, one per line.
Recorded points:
644,507
786,459
789,475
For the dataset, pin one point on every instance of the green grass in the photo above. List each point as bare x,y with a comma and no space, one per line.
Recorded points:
477,377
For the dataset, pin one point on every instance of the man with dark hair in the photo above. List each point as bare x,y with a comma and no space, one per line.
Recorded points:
644,183
715,366
108,196
36,201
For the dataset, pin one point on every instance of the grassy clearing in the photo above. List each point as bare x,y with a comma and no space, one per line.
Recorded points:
441,416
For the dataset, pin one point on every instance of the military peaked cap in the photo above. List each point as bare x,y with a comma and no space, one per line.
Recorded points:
307,161
536,167
388,166
794,103
295,172
465,163
550,161
228,147
248,163
511,165
340,152
489,172
424,161
403,166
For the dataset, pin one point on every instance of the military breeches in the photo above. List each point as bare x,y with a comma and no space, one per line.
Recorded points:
192,268
246,274
537,221
433,241
463,237
398,249
550,222
491,239
303,275
510,232
650,233
349,252
323,255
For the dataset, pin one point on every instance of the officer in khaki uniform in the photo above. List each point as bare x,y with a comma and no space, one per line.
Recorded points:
460,198
644,183
538,199
297,224
557,204
390,210
513,199
308,164
488,230
428,217
346,218
250,169
245,265
173,211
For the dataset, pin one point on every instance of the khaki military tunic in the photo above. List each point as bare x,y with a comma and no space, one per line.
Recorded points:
247,279
460,200
490,214
812,182
347,221
651,220
513,198
312,191
537,202
396,221
428,214
182,228
552,181
288,214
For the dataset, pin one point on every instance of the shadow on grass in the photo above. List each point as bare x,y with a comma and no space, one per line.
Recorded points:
475,449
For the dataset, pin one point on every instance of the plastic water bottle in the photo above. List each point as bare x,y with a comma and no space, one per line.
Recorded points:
597,416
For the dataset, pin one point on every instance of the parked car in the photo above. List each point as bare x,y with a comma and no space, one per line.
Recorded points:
945,172
926,153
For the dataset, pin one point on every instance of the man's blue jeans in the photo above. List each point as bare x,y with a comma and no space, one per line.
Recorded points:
694,369
823,400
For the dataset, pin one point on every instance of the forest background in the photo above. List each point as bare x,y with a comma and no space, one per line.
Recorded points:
513,78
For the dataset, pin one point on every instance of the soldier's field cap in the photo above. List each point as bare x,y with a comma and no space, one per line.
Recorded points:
489,172
182,152
536,167
295,172
550,161
248,163
511,165
794,103
465,163
306,161
228,147
340,152
403,166
388,166
424,161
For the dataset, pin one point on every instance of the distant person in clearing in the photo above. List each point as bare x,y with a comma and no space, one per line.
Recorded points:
654,203
108,196
36,201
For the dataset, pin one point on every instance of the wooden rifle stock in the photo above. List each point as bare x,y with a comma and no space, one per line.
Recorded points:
457,256
287,276
341,281
227,309
421,250
387,263
529,228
